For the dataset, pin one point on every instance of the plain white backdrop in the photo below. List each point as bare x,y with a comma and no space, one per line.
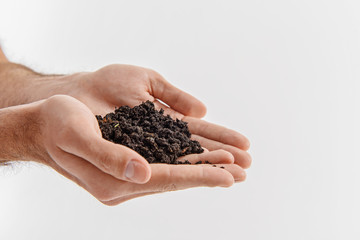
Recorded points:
285,73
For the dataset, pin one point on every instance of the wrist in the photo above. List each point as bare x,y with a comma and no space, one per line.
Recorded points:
20,134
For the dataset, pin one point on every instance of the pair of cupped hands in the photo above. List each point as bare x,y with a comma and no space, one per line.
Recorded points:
69,139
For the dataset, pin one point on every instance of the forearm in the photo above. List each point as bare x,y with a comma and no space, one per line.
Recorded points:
21,85
20,133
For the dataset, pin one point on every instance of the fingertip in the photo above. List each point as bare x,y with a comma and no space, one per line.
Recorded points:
239,140
199,109
236,172
228,182
121,162
241,177
246,144
222,156
138,171
227,156
247,160
148,172
226,179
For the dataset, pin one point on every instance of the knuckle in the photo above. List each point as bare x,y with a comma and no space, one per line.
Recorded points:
168,184
107,73
105,162
169,187
55,100
154,74
139,73
116,71
109,68
111,164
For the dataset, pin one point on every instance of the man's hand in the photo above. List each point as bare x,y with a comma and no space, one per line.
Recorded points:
118,85
63,133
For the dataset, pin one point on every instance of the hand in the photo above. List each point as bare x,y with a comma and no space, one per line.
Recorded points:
117,85
69,140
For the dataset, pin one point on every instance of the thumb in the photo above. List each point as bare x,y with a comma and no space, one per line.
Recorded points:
177,99
117,160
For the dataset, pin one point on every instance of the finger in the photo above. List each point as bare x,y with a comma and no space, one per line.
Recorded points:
165,177
167,111
237,172
217,156
177,99
217,133
241,157
86,175
114,159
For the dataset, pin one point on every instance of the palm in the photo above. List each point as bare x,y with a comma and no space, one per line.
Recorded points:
118,85
77,150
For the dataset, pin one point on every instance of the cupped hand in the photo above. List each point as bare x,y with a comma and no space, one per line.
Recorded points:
72,143
117,85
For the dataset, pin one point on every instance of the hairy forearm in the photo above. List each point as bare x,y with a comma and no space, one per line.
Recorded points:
14,79
19,133
21,85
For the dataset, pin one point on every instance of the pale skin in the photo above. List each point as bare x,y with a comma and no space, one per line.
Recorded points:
50,119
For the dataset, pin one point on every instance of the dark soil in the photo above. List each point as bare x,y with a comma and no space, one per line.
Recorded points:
158,138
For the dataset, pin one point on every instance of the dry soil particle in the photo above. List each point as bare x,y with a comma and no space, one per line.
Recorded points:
158,138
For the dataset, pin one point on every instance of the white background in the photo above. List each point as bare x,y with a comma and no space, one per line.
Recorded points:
285,73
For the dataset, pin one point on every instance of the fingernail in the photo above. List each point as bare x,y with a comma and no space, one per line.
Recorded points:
136,172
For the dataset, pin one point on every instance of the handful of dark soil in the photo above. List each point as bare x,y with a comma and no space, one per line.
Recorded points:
158,138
